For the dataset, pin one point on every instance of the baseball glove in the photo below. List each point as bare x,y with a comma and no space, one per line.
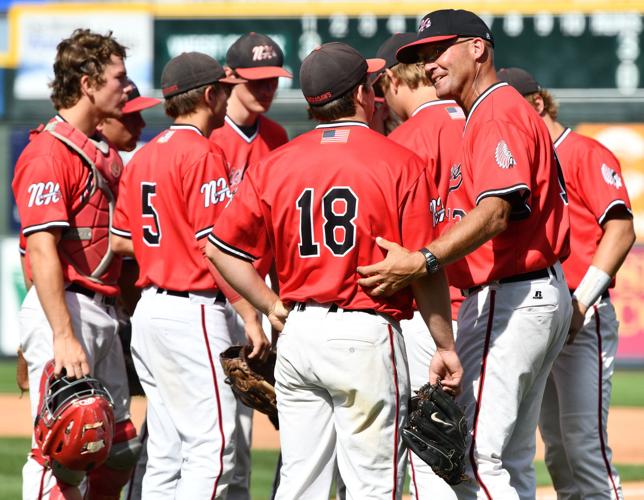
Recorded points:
436,431
252,380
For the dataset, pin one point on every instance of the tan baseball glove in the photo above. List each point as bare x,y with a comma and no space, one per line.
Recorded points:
252,380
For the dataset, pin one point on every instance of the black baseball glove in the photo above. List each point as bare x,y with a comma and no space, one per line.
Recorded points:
436,431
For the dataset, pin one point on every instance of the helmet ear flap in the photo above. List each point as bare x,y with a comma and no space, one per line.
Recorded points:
75,422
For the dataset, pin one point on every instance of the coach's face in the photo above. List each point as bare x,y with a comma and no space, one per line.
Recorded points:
450,66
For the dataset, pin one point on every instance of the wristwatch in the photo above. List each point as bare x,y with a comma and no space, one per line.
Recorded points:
431,262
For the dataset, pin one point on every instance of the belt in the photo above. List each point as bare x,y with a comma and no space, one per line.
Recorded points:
220,297
532,275
605,295
301,306
76,288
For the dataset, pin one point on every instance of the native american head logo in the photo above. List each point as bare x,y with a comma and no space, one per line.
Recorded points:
455,177
503,156
611,177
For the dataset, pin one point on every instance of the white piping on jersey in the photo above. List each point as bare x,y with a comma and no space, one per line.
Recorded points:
230,249
480,98
600,220
204,232
432,103
120,232
495,192
241,134
22,251
561,138
186,127
342,124
39,227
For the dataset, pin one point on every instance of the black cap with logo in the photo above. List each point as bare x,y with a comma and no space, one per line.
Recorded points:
388,49
443,25
191,70
520,79
255,56
332,70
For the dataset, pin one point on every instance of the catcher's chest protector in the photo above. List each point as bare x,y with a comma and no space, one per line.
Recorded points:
85,244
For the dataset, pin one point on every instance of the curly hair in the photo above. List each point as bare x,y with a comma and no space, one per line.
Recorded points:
550,106
83,53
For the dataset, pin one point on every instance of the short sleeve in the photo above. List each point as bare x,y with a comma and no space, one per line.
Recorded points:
241,229
601,185
206,191
42,195
501,156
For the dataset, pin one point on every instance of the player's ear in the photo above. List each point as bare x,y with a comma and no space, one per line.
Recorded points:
394,82
538,104
86,86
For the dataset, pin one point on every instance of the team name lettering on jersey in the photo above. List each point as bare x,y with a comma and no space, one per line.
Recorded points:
455,177
438,211
611,177
263,52
166,137
43,193
215,192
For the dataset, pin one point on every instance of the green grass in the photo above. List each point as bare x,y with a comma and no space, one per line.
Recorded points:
8,376
14,450
628,388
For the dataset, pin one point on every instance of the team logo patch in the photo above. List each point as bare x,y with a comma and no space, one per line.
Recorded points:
263,52
611,177
503,156
437,210
455,177
43,193
329,136
424,24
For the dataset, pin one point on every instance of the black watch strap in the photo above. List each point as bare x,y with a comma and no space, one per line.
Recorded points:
431,262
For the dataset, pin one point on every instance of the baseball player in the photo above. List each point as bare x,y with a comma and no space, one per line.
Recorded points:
432,128
64,185
509,229
170,195
246,137
575,405
341,375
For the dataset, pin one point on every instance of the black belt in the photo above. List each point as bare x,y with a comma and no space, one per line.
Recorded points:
220,297
532,275
605,295
76,288
301,306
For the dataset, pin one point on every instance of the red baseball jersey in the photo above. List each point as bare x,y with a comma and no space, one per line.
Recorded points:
507,151
595,185
50,185
434,132
241,150
171,194
320,201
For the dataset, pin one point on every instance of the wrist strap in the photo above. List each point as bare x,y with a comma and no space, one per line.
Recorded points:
593,284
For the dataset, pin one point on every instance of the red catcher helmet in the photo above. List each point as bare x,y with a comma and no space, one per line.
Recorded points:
75,422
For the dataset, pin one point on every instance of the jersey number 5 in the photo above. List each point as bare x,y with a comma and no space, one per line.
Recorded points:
151,233
339,209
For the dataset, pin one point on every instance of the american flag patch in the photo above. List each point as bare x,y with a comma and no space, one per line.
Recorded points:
329,136
455,113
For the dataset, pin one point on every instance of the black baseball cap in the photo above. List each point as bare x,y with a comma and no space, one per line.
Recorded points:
388,49
443,25
520,79
137,102
255,56
191,70
333,69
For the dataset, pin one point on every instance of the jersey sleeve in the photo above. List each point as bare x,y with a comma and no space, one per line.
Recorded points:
42,195
421,210
602,184
500,160
121,221
206,192
241,229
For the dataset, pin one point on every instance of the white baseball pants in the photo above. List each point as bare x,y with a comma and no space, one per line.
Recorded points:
574,412
342,390
508,338
176,343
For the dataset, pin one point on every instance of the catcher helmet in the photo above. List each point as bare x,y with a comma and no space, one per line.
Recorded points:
75,422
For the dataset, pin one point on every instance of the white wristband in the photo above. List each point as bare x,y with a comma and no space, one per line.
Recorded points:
592,285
